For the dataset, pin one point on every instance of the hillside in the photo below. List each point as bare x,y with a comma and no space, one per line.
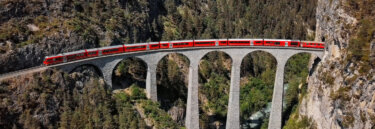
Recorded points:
322,96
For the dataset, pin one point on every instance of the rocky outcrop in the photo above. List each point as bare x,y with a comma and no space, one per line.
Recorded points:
340,95
332,26
31,30
33,54
36,99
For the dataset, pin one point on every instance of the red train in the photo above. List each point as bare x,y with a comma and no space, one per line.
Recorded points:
88,53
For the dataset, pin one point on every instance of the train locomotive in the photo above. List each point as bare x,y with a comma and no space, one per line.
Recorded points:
89,53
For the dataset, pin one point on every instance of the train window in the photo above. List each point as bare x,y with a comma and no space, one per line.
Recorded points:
204,42
71,57
178,44
154,45
258,42
92,53
223,41
277,43
268,42
135,47
294,43
165,45
239,42
110,50
48,60
59,58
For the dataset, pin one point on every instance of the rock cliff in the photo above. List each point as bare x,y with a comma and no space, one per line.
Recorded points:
341,92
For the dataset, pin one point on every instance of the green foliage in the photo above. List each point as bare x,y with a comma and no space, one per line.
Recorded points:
171,75
215,80
327,78
137,93
359,46
161,118
254,96
89,106
296,71
348,120
299,123
343,93
259,67
217,92
297,67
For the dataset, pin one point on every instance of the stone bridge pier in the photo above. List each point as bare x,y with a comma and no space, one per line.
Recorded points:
106,66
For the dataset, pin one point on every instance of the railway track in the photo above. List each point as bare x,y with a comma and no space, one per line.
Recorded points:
21,72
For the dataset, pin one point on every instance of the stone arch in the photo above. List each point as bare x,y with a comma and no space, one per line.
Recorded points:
297,68
82,67
258,74
122,71
172,71
215,69
312,66
245,58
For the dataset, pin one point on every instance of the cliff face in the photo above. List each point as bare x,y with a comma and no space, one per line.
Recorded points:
31,30
341,91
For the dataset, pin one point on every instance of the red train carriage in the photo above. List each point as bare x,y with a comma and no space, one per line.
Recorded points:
258,42
75,55
92,52
112,50
135,47
223,42
272,42
53,60
164,45
309,44
294,43
154,45
182,44
239,42
204,43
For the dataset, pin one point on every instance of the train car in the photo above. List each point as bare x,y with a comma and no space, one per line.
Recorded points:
239,42
182,43
257,42
50,60
112,50
293,43
76,55
135,47
92,52
154,45
223,42
312,44
204,43
274,42
165,45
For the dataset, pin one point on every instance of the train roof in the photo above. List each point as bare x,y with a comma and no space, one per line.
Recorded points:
116,46
312,41
164,41
136,44
74,52
92,49
205,40
176,41
279,39
241,39
153,43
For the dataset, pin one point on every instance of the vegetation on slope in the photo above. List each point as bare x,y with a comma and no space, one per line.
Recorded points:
53,99
214,79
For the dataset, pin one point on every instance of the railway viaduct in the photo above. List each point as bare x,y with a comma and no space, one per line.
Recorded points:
107,64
